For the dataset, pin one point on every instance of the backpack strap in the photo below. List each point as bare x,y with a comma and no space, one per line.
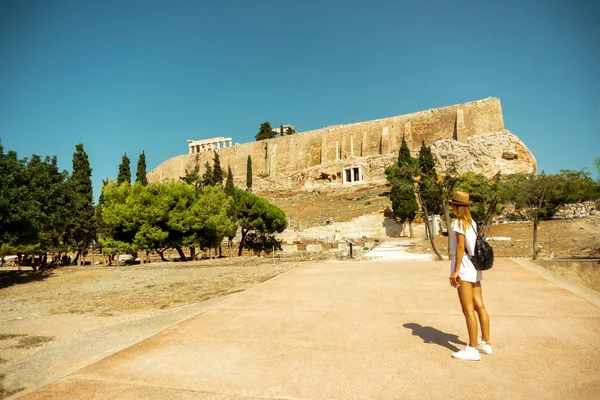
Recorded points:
476,234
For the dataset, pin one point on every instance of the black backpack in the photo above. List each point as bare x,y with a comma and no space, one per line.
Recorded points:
483,255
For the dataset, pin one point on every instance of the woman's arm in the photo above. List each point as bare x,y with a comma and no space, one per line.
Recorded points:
460,252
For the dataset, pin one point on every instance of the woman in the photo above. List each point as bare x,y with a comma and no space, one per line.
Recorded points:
467,279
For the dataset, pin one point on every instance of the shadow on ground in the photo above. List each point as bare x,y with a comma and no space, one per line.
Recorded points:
432,335
10,278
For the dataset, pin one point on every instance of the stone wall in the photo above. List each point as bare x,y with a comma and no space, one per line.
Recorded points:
346,145
372,226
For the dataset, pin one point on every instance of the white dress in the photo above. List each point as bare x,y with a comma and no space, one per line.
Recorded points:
467,270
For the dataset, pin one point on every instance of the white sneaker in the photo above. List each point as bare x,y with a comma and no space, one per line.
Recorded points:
484,347
469,353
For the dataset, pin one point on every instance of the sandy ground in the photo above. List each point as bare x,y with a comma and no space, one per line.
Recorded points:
61,306
47,318
571,248
559,238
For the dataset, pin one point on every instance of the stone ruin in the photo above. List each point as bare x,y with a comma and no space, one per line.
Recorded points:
471,135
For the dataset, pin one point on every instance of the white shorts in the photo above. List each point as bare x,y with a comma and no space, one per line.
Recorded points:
467,272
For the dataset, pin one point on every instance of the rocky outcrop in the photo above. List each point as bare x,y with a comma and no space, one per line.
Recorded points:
487,154
472,134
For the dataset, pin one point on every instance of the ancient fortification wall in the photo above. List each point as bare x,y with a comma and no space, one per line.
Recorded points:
346,145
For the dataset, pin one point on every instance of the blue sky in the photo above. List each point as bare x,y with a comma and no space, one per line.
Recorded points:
127,76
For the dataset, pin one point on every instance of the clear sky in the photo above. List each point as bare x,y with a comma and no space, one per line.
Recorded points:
126,76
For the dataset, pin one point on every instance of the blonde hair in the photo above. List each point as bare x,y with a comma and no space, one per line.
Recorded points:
463,215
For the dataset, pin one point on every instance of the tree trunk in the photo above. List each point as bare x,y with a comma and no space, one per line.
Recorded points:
162,255
429,230
242,241
192,253
148,256
535,226
410,228
536,221
448,222
220,251
181,253
489,219
230,242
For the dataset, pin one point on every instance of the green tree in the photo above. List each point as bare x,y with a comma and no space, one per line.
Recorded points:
124,170
400,176
33,206
47,194
540,196
217,171
249,174
229,186
265,132
80,226
426,162
597,164
164,216
17,222
404,157
484,196
208,177
404,203
140,174
255,214
429,191
447,182
193,177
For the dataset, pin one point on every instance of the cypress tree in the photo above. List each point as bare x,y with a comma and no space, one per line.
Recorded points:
207,177
229,186
249,174
124,170
426,163
217,171
140,175
404,158
404,203
80,226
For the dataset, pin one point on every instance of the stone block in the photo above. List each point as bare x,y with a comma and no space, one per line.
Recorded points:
289,248
314,248
343,247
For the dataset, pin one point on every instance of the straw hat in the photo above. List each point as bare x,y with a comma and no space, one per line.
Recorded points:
460,199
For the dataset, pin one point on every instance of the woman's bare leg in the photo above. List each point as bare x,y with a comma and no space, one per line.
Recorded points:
465,295
484,318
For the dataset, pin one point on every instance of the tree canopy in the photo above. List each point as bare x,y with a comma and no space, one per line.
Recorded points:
217,171
229,186
265,132
540,196
260,217
140,174
124,170
80,227
163,216
249,173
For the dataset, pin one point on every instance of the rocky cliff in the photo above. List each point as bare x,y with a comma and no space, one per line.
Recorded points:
472,134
